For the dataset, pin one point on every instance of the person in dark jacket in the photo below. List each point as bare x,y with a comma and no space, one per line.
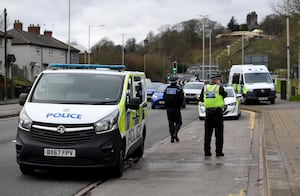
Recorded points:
174,98
213,95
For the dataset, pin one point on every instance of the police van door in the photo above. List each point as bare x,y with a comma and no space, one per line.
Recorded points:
133,120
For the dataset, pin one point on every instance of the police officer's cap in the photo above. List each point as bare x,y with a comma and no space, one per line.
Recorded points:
216,77
173,79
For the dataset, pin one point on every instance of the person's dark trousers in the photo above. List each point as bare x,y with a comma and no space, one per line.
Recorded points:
175,120
214,120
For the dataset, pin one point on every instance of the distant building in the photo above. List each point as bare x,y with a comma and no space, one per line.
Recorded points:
35,51
252,21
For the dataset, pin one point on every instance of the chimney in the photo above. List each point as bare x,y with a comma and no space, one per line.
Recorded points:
34,29
18,25
48,33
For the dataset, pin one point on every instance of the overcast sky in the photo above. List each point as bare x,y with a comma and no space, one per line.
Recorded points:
133,18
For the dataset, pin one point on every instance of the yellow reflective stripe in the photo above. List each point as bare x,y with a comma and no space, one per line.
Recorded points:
122,117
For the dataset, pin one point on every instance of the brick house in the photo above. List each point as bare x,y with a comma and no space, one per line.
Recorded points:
35,51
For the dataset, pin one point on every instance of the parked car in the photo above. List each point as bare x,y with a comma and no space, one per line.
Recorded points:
192,91
232,105
151,88
157,99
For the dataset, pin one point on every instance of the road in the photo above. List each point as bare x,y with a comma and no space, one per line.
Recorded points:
12,182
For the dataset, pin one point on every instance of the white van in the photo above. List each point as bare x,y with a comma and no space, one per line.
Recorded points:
253,82
86,116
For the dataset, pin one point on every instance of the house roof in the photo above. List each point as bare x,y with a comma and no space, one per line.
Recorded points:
3,35
31,38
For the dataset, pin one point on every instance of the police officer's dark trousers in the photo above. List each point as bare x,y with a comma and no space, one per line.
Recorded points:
214,120
175,121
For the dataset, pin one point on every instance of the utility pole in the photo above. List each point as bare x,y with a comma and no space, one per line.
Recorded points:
288,49
5,55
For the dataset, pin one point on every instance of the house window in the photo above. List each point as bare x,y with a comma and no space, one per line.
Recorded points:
50,52
1,43
62,53
38,51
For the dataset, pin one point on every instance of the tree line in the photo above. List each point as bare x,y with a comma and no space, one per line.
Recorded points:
182,42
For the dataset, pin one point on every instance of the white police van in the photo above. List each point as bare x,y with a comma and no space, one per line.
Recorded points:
82,116
252,82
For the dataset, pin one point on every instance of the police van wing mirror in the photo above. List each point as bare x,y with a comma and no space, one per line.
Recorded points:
22,98
134,103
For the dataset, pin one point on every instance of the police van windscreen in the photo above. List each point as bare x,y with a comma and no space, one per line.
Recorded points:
258,78
78,88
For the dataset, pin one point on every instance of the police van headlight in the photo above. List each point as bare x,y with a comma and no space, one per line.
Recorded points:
273,88
108,123
24,121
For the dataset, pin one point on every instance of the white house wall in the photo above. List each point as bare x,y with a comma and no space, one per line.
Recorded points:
36,58
53,56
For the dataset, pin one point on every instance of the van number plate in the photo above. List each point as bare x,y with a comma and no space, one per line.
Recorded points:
51,152
263,98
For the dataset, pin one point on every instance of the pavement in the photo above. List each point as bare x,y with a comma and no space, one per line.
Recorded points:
278,130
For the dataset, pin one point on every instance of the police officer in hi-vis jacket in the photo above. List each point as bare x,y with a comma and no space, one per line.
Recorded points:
213,95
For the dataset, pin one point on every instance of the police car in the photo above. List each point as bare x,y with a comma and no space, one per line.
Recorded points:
82,116
231,108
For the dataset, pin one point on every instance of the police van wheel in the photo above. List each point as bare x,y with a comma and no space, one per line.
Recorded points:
26,170
119,168
139,152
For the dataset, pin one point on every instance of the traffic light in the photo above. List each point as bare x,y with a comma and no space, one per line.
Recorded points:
197,76
168,77
174,67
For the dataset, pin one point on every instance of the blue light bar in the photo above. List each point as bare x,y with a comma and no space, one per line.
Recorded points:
86,66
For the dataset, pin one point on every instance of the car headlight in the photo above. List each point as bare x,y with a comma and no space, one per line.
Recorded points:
24,121
232,104
108,123
154,96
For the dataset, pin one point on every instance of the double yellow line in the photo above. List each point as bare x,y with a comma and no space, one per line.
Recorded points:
242,193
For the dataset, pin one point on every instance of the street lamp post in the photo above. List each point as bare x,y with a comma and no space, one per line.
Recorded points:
123,57
210,53
69,34
203,47
243,46
145,44
89,41
203,42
